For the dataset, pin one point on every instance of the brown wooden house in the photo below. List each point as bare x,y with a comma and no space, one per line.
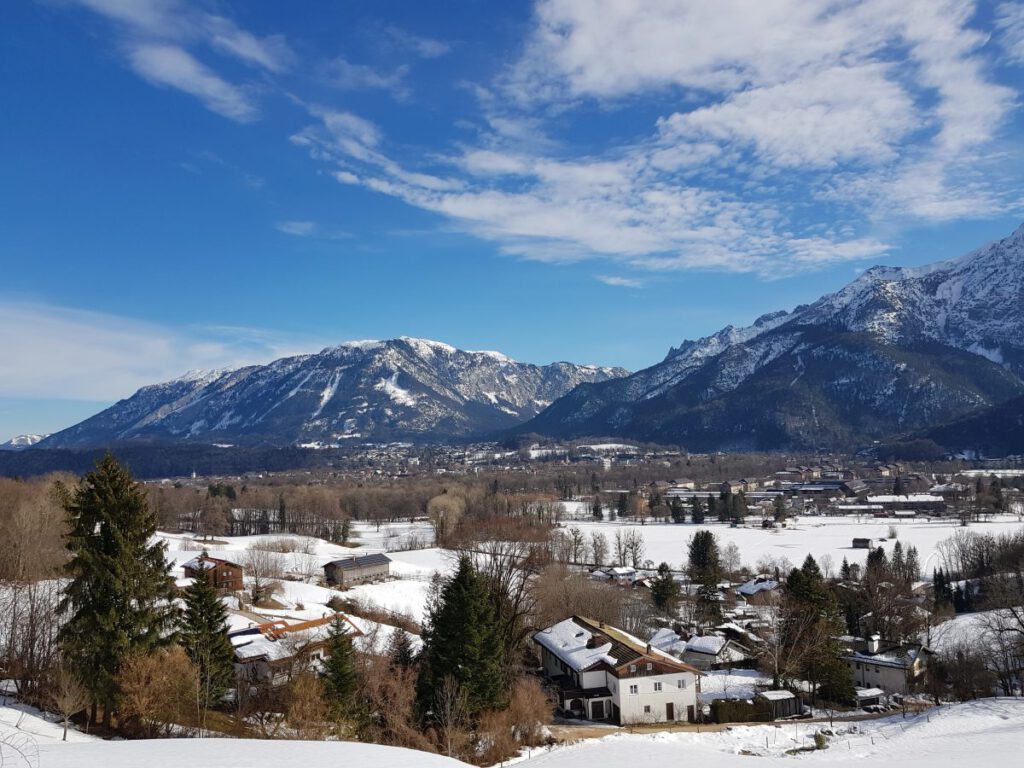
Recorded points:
223,574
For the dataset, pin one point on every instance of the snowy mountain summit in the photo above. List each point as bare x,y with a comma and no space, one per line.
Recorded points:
896,350
398,389
21,442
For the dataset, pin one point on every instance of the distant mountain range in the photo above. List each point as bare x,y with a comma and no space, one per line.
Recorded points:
21,442
898,350
365,391
933,353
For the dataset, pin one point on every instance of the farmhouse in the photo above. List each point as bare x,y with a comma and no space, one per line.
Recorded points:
223,574
352,570
602,673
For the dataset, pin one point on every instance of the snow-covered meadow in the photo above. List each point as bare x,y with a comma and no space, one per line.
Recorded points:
818,536
957,736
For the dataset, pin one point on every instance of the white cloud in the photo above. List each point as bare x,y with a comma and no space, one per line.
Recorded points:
271,53
1010,23
779,115
424,47
620,282
60,352
297,228
169,65
343,74
160,38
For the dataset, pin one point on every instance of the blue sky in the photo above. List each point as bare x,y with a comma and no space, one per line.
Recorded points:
191,184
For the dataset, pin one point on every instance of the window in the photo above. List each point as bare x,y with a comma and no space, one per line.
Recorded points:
634,689
632,667
657,687
681,682
647,709
649,666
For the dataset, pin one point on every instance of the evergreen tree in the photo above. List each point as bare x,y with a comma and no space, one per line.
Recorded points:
665,590
596,508
698,511
703,558
712,508
282,514
779,508
203,632
622,505
877,565
897,564
709,607
844,570
913,565
339,669
400,650
678,510
461,640
118,599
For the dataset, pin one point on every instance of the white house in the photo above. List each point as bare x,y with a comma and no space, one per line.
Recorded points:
604,673
894,668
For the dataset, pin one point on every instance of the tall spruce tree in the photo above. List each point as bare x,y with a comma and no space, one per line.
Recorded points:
461,640
119,596
704,562
204,635
339,674
665,590
400,649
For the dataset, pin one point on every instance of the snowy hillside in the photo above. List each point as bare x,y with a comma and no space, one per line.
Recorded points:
951,736
897,350
409,389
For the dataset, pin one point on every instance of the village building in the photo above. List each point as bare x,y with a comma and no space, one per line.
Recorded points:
603,673
266,653
223,574
353,570
892,667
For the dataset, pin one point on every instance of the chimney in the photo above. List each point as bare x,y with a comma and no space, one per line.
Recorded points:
874,642
648,649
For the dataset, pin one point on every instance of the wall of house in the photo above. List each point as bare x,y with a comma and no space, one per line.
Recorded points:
632,705
868,675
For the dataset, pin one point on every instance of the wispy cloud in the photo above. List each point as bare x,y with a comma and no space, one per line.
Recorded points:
169,65
851,112
162,39
1010,23
424,47
620,282
343,74
310,229
111,356
297,228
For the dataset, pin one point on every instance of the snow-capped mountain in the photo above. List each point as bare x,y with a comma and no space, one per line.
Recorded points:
401,389
21,442
898,349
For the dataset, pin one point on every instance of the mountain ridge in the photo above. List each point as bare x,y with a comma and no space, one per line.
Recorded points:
396,389
918,346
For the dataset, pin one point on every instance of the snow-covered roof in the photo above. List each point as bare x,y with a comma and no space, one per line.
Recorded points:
668,641
776,695
869,693
910,498
755,585
709,644
568,641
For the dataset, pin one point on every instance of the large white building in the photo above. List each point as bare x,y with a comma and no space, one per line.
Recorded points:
604,673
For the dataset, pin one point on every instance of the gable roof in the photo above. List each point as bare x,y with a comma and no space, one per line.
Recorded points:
205,563
360,561
585,644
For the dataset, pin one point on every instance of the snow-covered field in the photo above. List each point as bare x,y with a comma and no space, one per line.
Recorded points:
816,536
981,732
